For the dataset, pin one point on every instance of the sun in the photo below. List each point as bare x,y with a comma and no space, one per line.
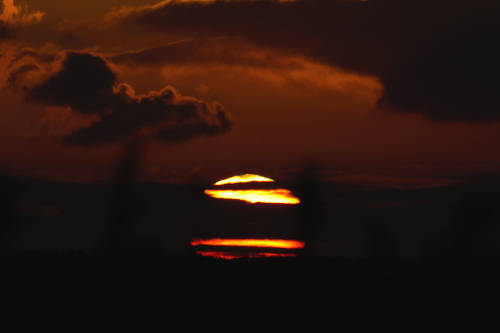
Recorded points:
246,178
259,248
257,195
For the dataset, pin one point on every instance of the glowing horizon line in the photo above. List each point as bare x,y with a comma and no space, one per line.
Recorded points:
250,242
245,178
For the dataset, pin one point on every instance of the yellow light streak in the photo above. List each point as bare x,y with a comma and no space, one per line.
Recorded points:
246,178
250,242
274,196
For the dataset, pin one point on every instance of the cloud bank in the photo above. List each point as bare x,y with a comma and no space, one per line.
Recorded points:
437,58
87,84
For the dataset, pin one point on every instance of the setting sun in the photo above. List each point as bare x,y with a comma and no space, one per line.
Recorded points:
208,248
274,196
270,196
246,178
244,242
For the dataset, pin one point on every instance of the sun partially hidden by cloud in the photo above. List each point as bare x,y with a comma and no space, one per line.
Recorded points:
249,242
246,178
270,196
273,196
283,248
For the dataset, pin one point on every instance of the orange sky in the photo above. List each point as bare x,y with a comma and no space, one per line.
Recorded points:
287,108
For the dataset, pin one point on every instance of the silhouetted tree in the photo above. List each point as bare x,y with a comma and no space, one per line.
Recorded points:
126,208
9,191
312,211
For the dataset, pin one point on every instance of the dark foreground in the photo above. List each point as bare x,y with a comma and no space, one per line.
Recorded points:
141,282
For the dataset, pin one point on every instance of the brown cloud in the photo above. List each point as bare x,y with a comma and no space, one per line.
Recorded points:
13,17
211,51
220,56
436,58
87,84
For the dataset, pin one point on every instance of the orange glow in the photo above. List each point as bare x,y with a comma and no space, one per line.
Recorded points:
267,243
246,178
274,196
231,256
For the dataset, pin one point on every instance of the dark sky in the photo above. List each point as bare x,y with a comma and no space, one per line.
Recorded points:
390,92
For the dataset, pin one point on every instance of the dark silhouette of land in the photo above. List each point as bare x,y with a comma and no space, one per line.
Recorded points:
125,244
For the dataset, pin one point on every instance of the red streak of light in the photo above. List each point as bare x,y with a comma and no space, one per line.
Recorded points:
232,256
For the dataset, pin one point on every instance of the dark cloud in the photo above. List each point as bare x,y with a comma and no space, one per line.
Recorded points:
5,32
437,58
87,84
159,112
198,127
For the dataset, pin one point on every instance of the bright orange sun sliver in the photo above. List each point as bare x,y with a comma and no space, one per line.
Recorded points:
246,178
277,196
267,243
